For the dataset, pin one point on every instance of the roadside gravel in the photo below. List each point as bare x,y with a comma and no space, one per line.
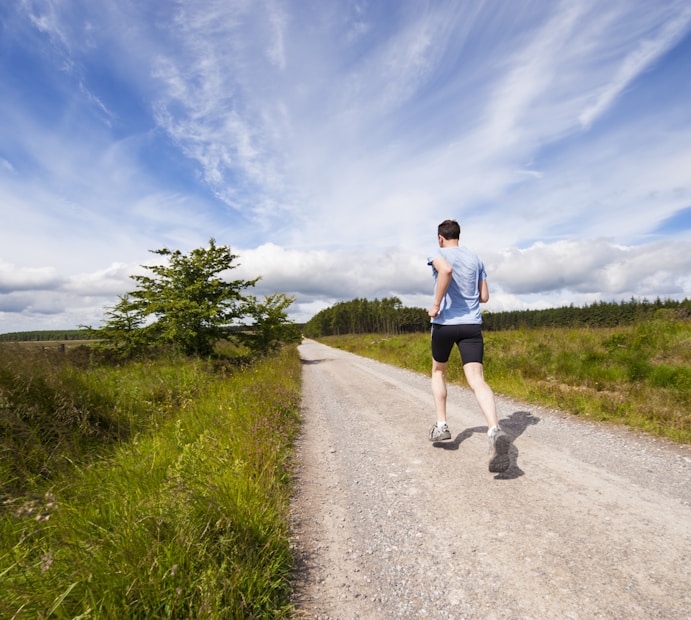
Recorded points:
590,521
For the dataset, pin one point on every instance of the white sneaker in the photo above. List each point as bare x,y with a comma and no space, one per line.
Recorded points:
499,444
437,433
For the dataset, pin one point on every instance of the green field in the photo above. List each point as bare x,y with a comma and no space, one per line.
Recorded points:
638,376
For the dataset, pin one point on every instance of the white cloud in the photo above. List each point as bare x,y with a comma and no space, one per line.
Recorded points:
595,266
333,274
7,166
47,21
112,281
13,278
277,18
638,60
564,272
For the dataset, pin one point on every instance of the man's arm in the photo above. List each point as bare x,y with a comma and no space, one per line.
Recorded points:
484,291
444,271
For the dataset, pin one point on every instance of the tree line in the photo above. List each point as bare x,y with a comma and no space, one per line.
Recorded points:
389,316
598,314
362,316
46,335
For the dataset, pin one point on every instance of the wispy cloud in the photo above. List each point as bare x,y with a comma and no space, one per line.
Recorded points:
643,55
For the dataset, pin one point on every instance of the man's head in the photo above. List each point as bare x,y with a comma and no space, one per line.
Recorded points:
449,229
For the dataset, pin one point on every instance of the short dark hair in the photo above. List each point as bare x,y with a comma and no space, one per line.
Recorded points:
449,229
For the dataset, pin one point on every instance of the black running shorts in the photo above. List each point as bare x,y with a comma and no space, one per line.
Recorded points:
467,337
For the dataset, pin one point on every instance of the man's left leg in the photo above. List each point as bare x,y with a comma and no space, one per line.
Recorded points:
475,375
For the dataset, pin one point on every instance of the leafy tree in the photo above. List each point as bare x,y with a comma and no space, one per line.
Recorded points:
124,326
185,303
270,327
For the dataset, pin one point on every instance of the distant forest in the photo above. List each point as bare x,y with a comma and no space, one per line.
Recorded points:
390,316
599,314
48,335
361,316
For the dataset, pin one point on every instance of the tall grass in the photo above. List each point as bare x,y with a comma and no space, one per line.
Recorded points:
639,376
181,512
55,411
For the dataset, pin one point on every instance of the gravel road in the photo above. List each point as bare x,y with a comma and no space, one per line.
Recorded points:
589,521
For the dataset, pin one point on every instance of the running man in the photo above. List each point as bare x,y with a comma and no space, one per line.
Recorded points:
460,286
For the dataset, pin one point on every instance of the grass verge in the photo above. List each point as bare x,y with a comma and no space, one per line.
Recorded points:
180,513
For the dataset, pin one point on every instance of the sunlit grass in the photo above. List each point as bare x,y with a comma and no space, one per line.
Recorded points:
637,376
183,516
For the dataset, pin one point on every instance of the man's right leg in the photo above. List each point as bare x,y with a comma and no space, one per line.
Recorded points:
439,389
440,430
443,340
499,441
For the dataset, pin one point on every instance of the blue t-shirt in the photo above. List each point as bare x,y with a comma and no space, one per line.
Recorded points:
461,304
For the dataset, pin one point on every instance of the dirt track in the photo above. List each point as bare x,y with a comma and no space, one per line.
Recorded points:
588,522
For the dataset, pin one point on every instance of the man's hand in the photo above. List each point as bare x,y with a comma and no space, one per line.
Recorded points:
434,311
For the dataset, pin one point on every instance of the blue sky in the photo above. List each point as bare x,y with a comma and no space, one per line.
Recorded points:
324,141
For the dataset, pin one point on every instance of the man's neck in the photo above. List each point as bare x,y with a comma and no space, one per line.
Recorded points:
449,243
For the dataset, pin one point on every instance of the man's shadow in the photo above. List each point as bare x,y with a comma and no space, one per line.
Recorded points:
514,426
